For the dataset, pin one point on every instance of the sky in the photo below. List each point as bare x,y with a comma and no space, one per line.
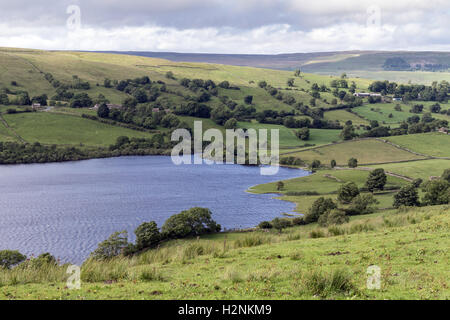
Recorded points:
227,26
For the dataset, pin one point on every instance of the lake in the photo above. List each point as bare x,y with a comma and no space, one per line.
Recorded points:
68,208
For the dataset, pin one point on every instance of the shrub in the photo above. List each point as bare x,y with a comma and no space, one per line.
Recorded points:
193,222
265,225
347,192
115,245
319,207
376,180
446,175
361,204
407,196
147,235
281,224
298,221
436,192
352,163
10,258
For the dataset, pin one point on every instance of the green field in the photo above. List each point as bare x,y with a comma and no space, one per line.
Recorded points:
409,247
365,151
417,169
343,116
49,128
433,144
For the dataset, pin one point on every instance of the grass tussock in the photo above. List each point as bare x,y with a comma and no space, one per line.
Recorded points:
326,284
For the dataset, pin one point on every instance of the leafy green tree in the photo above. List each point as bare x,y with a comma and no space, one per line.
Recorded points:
333,163
140,95
112,247
147,235
436,192
407,196
290,82
280,224
248,99
361,204
315,164
193,222
347,192
103,111
280,185
231,124
352,163
170,121
446,175
170,75
376,180
348,132
319,207
265,225
10,258
303,134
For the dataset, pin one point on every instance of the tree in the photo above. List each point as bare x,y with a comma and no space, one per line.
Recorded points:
333,163
361,204
231,124
224,85
290,82
111,247
347,192
169,75
262,84
280,224
446,175
303,134
297,73
170,121
315,164
280,185
436,192
376,180
407,196
352,163
140,95
348,132
147,235
107,83
10,258
103,111
248,99
265,225
193,222
319,207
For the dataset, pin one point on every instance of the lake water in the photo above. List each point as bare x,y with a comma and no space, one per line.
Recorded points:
68,208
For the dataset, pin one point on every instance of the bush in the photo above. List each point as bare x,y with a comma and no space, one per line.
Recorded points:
298,221
361,204
10,258
407,196
376,180
347,192
147,235
352,163
446,175
265,225
115,245
436,192
319,207
281,224
193,222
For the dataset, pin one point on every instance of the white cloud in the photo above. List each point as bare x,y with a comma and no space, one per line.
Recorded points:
214,26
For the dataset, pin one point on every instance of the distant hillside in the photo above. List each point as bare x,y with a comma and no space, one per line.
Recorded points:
423,67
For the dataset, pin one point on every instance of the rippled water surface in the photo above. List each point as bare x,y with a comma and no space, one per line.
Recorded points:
68,208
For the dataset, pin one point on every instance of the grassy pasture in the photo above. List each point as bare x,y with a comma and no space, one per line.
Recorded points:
365,151
51,128
260,265
417,169
432,144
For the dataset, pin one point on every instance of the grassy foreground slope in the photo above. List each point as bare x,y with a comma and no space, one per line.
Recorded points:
306,262
61,129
